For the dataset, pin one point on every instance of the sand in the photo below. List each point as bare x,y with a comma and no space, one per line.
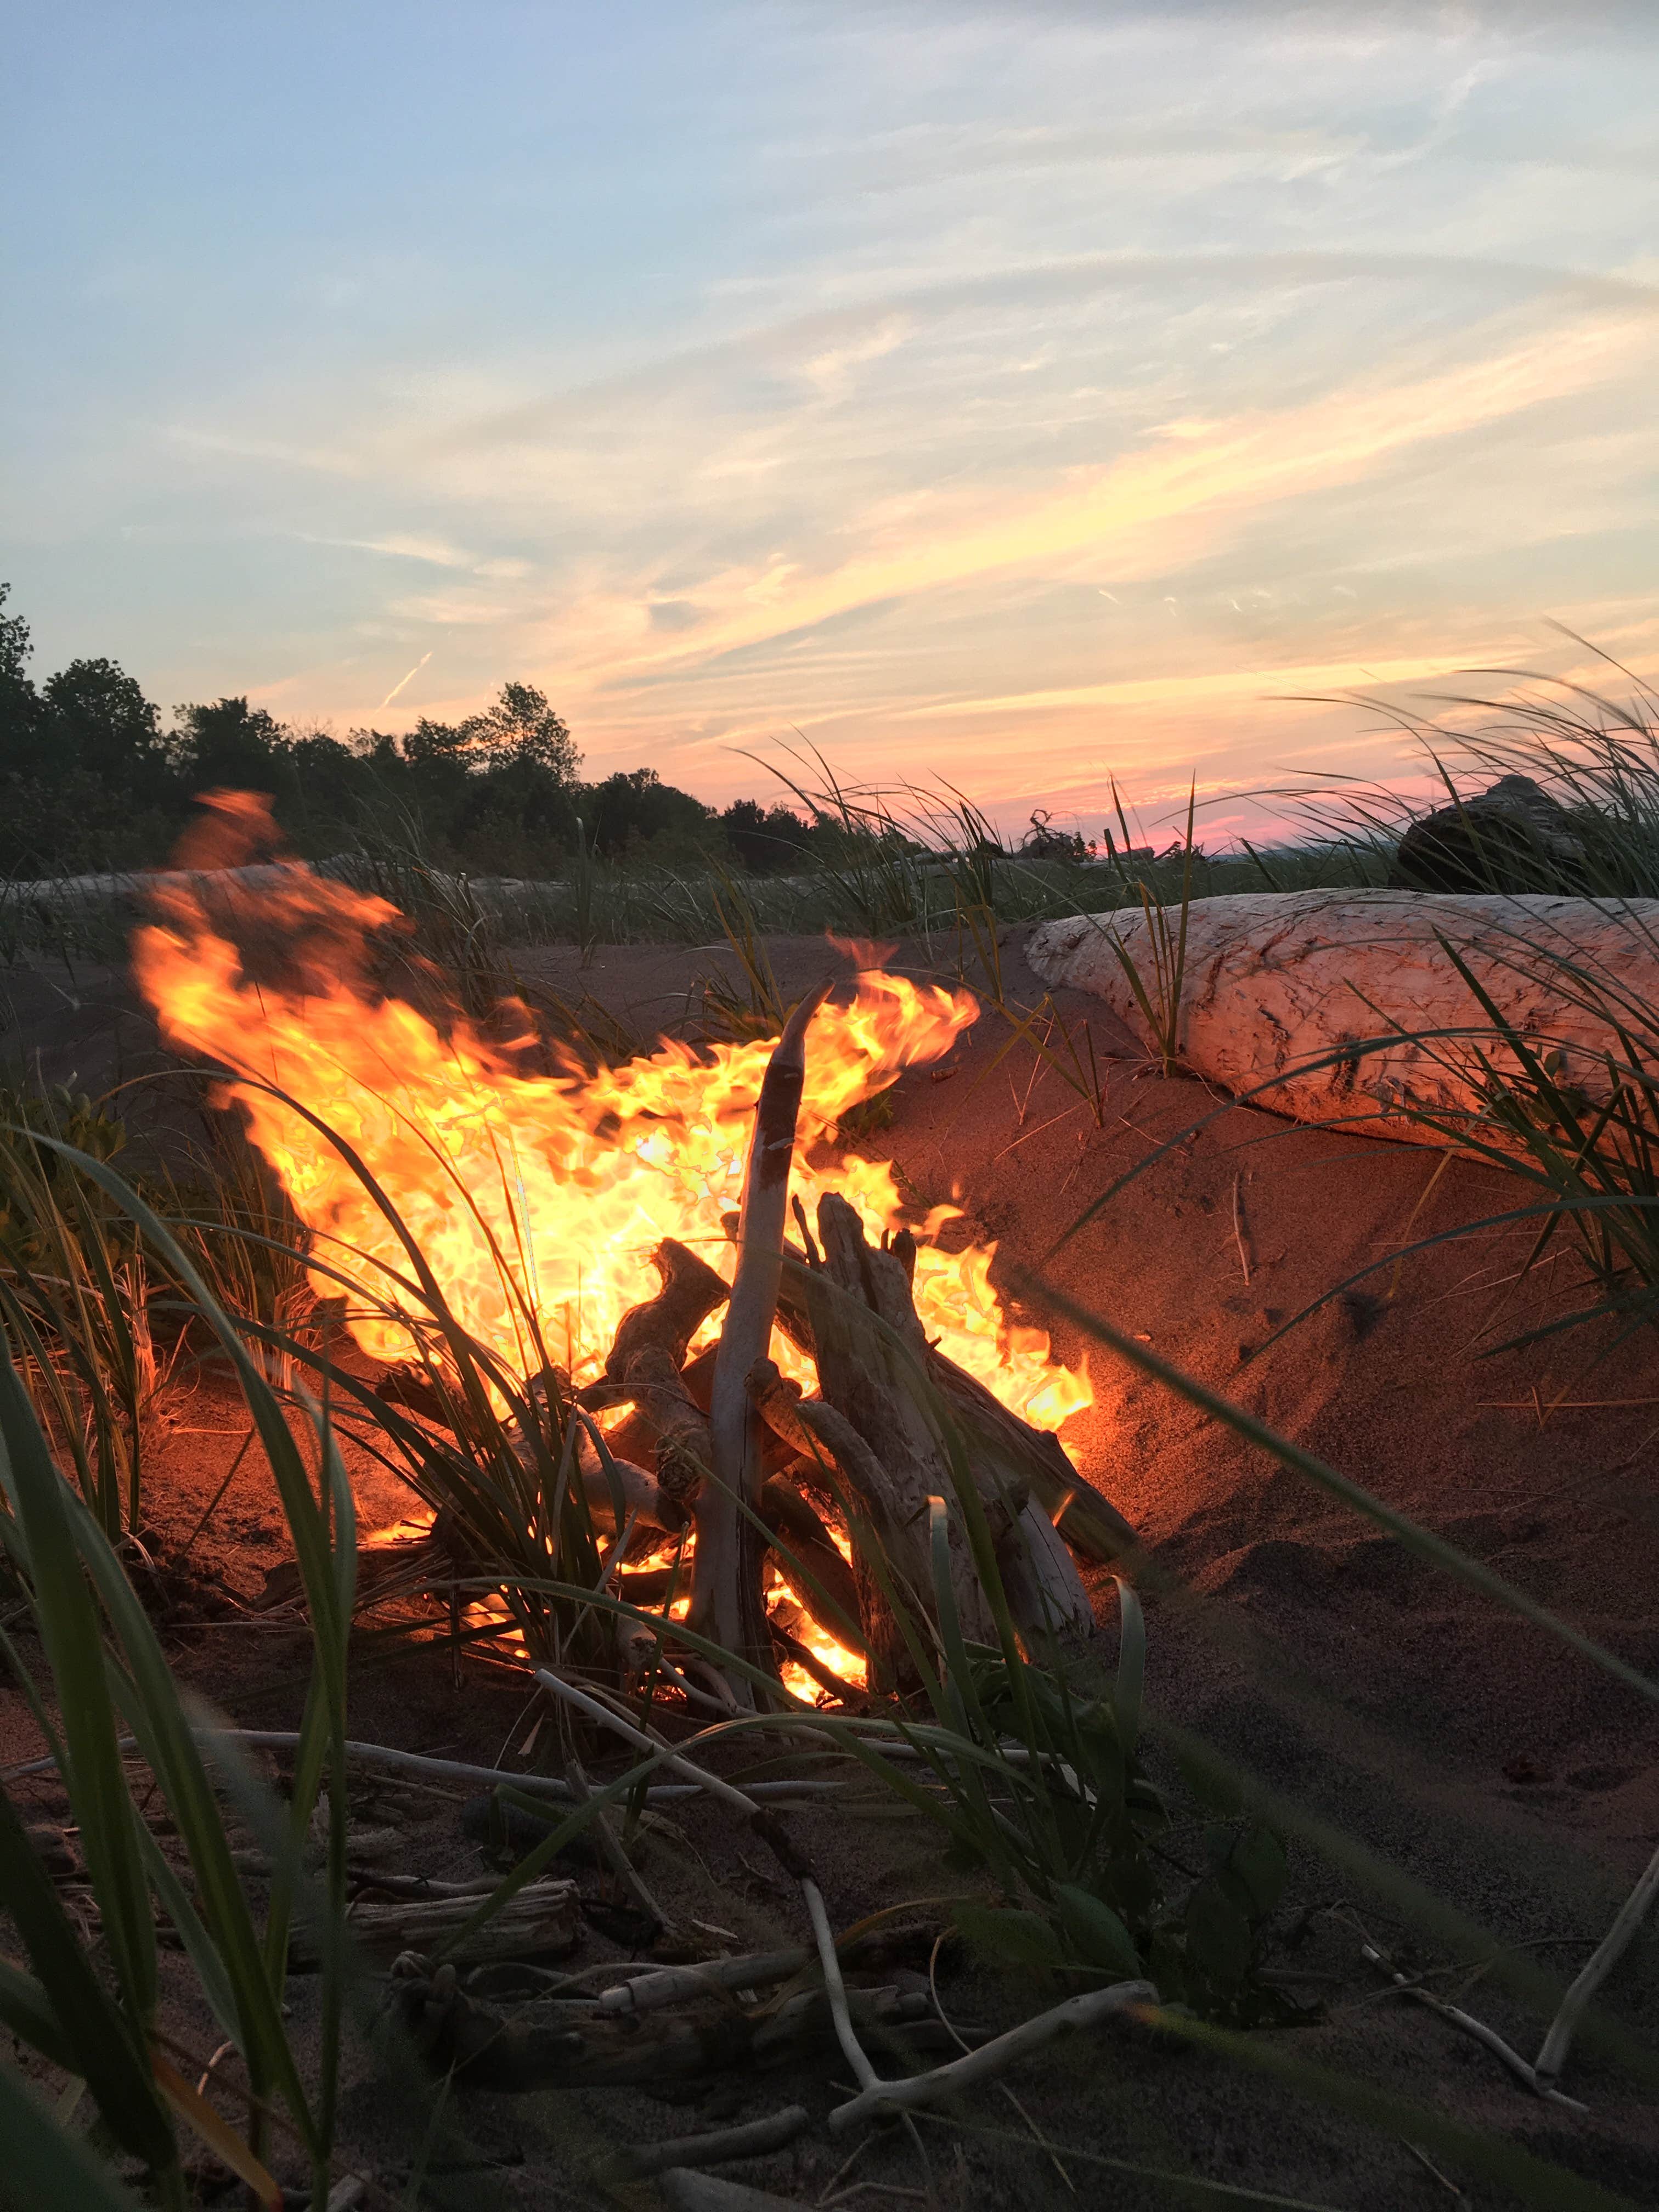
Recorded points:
1456,1741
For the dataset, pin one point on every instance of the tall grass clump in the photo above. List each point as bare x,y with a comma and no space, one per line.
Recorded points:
75,1285
128,1740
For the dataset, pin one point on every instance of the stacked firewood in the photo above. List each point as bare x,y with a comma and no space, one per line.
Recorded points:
892,1427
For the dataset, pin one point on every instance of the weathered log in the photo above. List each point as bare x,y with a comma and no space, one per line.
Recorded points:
1282,990
542,1921
547,2043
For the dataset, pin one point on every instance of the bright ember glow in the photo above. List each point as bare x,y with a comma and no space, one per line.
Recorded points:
536,1194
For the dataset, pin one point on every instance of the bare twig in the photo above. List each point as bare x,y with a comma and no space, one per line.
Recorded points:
671,1984
1505,2053
1553,2055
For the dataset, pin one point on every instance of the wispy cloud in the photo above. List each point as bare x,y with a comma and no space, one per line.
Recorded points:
1010,397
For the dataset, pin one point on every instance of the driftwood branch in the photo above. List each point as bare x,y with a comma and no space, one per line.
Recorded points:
1612,1948
754,2139
871,1362
727,1604
885,1382
992,2058
541,1921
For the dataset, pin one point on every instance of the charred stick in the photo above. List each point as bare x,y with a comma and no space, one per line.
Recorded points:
690,1292
645,1364
808,1660
793,1521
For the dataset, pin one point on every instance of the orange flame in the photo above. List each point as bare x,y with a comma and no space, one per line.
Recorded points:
533,1195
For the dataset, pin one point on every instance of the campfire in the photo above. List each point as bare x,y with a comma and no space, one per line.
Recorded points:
584,1223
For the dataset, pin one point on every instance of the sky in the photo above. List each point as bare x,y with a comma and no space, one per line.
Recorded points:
1009,398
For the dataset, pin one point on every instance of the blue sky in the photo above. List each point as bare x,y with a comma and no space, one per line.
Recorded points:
1017,397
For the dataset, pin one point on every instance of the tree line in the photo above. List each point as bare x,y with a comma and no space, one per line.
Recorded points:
91,779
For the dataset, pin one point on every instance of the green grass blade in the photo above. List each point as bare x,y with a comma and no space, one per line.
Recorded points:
44,2164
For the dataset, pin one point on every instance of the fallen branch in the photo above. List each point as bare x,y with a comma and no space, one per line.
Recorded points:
991,2058
754,2139
1455,2017
1613,1945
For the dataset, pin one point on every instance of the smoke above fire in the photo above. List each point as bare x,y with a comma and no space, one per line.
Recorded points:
536,1197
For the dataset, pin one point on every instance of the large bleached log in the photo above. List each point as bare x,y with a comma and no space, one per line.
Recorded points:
1277,983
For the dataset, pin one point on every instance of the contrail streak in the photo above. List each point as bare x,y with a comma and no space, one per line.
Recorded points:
397,688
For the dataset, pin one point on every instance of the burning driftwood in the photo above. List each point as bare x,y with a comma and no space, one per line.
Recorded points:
720,1439
644,1371
892,1427
891,1434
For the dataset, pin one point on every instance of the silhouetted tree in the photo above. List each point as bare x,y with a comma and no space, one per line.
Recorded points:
764,839
635,805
